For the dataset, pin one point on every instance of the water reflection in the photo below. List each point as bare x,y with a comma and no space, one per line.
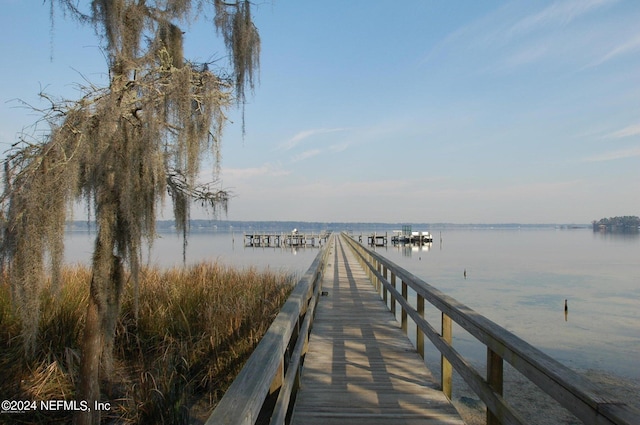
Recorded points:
631,236
409,249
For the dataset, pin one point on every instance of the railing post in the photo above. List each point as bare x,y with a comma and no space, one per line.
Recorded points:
495,368
393,298
295,334
372,275
305,347
384,288
278,379
419,333
379,270
445,366
404,312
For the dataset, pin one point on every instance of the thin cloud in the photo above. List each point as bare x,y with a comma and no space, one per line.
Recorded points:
339,147
387,188
351,189
306,155
253,172
499,35
305,134
513,194
632,130
557,14
526,56
614,155
629,47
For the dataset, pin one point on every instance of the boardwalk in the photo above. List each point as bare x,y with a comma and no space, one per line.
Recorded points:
360,367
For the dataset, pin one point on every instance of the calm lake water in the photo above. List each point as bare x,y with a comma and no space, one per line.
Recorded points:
225,247
517,278
520,279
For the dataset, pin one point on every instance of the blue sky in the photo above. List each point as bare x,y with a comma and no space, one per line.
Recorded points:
413,111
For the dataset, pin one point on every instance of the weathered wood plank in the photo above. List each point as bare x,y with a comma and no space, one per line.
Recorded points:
360,367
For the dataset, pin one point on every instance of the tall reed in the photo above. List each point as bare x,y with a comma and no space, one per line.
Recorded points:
196,327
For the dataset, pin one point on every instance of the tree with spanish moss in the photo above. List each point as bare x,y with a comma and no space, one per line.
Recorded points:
121,149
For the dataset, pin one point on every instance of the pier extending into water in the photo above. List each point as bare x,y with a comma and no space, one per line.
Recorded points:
406,236
355,364
291,239
360,368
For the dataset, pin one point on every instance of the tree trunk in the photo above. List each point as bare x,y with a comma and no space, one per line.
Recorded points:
105,296
89,386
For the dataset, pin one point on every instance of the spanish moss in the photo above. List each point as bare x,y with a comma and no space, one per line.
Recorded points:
121,149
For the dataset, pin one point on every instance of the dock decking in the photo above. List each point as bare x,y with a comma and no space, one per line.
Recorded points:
360,367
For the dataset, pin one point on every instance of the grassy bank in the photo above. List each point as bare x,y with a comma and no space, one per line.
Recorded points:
195,329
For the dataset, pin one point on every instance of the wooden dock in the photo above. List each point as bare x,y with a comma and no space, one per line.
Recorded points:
360,367
336,355
292,239
374,239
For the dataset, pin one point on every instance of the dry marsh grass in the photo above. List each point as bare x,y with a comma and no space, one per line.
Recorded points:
195,329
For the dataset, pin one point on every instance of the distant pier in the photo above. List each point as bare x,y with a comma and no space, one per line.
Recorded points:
292,239
408,236
399,238
377,239
416,238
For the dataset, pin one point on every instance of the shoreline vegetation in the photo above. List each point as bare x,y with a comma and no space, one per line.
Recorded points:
626,224
236,226
196,328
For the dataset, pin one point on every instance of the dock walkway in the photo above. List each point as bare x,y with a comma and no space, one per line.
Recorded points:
360,367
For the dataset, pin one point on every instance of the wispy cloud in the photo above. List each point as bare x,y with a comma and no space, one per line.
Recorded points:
339,147
613,155
560,13
453,188
521,33
353,189
632,130
306,155
267,169
306,134
525,56
631,46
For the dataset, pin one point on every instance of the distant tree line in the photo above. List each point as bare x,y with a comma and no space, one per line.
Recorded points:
627,223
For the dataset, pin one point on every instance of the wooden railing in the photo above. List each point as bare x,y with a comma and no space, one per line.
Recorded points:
265,388
574,392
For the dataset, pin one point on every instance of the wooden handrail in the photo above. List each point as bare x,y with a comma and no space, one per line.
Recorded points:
265,385
574,392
